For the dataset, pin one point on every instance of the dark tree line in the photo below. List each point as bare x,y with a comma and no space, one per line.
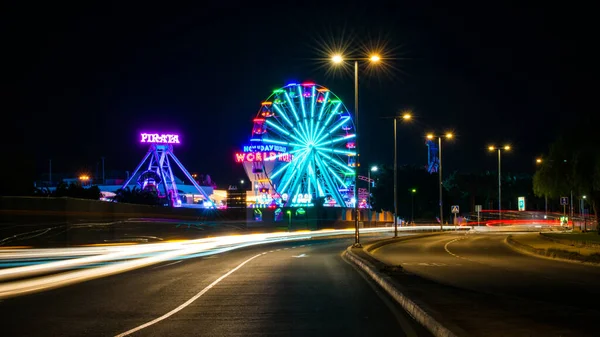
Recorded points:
572,165
137,196
71,191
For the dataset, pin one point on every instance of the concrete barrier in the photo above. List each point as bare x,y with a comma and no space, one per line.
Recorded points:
390,286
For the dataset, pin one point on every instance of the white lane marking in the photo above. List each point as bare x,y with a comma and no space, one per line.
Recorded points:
168,264
301,255
451,253
285,248
270,251
278,250
293,247
188,302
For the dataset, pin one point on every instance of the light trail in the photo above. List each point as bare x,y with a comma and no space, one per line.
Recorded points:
108,260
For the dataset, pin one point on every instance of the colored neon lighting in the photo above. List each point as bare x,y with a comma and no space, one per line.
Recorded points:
264,148
267,103
314,127
241,157
155,138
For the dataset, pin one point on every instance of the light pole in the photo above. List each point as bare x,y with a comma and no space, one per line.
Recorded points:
412,205
103,177
374,169
338,59
430,136
499,149
538,161
407,116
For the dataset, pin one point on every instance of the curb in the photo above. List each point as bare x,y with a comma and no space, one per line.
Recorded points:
543,253
574,243
384,281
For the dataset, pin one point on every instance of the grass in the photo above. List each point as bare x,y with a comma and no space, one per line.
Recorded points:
589,237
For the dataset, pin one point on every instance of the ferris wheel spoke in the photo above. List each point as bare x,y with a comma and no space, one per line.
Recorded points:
295,172
312,103
337,140
348,153
337,126
337,162
323,105
282,168
301,94
283,115
291,105
330,116
333,189
285,180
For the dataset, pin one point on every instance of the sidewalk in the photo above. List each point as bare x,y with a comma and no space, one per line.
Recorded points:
539,245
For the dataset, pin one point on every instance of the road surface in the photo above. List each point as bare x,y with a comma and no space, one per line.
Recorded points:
532,292
301,288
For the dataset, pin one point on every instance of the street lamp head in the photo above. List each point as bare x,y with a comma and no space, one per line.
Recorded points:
491,148
374,169
84,177
407,116
584,197
374,58
429,136
337,58
538,160
506,147
449,135
242,181
414,190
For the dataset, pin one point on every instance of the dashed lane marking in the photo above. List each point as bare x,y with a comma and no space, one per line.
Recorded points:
188,302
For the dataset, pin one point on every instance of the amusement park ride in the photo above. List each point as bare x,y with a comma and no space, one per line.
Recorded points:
302,149
158,175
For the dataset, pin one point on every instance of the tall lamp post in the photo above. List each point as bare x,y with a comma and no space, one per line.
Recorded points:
499,149
538,161
373,169
430,136
412,205
339,59
407,116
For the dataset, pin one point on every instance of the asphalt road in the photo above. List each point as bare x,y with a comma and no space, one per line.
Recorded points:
536,292
300,288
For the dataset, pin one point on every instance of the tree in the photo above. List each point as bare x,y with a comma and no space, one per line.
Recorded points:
572,165
137,196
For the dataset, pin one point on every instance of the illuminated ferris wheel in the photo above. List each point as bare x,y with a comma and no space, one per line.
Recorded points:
303,148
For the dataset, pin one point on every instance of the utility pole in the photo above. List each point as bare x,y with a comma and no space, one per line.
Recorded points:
103,179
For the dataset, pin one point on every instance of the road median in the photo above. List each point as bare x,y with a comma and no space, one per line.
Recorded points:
547,247
382,274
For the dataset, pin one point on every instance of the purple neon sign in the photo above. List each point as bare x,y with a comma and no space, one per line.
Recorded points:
157,138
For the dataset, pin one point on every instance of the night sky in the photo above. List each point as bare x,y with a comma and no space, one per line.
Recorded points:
89,79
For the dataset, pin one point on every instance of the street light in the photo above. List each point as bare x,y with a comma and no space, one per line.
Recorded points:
431,136
339,59
539,161
412,205
500,149
373,169
407,116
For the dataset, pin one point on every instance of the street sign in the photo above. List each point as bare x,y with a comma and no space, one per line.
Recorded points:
564,201
477,208
521,203
454,209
